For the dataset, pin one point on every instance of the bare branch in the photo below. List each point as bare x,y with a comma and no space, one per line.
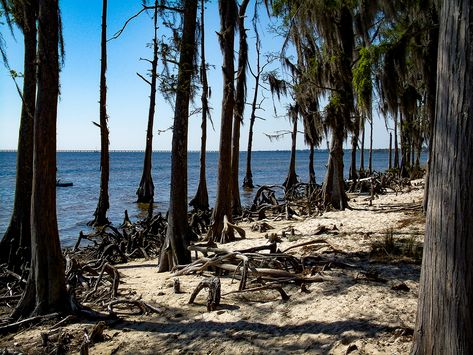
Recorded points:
142,77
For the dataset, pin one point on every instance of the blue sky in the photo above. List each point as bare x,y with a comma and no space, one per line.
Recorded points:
127,100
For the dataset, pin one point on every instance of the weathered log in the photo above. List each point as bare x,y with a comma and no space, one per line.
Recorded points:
213,299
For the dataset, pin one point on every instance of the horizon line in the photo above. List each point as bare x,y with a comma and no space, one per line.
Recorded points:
169,151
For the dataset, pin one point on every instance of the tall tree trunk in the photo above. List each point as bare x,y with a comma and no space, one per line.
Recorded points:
240,100
145,191
370,159
248,180
223,203
354,144
15,246
362,149
396,147
46,287
444,322
334,186
178,234
291,178
312,180
390,165
201,199
100,214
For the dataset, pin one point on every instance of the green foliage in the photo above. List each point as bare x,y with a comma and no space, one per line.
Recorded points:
362,79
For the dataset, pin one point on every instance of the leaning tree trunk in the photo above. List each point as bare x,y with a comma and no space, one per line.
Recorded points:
240,98
201,198
334,187
100,214
444,322
46,287
15,246
223,203
174,251
145,191
291,178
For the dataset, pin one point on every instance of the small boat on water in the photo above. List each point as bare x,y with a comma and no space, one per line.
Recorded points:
63,183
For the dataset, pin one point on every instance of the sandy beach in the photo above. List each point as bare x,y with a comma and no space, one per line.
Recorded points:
366,305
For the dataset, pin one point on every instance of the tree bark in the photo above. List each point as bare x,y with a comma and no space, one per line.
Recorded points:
248,180
223,203
334,187
390,164
46,287
354,144
240,98
174,251
370,159
291,178
396,148
201,199
362,149
15,246
312,180
444,322
100,214
145,191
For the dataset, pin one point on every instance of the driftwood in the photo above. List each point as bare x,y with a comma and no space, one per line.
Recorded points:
284,295
213,299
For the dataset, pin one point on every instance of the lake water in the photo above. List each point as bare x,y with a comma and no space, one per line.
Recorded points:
76,204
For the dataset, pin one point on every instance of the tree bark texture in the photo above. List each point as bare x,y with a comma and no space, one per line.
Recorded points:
201,199
240,100
15,246
444,319
223,203
145,191
354,144
46,288
174,251
100,214
334,187
291,178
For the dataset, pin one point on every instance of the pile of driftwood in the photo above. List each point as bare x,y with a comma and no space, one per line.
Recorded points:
277,202
378,183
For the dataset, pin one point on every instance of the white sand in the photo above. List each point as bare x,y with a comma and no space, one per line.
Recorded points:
348,311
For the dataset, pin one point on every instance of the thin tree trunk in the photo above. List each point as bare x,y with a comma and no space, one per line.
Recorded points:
46,287
291,178
178,234
370,160
223,204
396,148
390,165
15,246
201,199
444,323
248,180
100,214
145,191
240,98
354,144
312,180
362,149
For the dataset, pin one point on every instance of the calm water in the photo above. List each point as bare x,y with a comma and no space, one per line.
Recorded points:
76,204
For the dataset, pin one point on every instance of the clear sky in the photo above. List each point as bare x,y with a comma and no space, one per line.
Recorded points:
128,95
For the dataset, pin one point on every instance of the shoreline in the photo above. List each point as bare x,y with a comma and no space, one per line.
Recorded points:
368,306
